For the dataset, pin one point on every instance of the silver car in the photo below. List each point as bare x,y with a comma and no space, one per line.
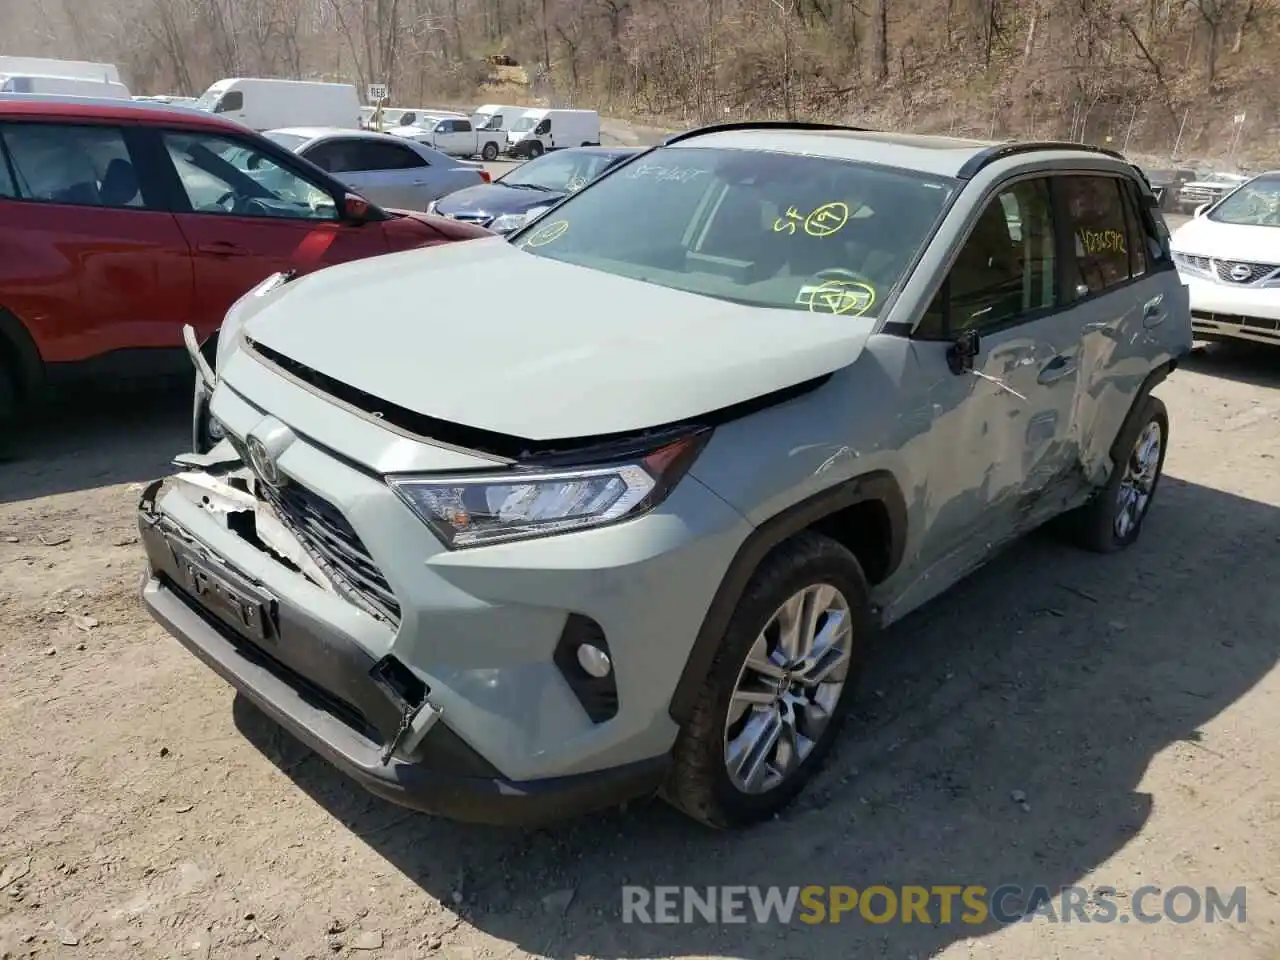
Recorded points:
768,388
390,171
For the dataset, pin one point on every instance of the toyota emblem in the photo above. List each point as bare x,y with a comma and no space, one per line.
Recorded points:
1241,272
263,463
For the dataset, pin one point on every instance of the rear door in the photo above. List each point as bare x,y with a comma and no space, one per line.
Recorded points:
388,173
90,258
452,139
1122,287
244,226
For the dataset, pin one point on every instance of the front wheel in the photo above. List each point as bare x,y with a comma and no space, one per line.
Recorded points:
535,150
1113,519
489,152
775,695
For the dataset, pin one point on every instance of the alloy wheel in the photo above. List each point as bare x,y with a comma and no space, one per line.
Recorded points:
1141,471
788,688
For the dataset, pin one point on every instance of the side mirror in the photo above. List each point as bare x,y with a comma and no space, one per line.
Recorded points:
960,355
355,208
1200,210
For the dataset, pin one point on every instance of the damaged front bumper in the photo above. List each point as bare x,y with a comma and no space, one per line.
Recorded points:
372,718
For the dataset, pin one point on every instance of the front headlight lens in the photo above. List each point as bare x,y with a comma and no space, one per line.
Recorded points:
493,508
431,207
508,222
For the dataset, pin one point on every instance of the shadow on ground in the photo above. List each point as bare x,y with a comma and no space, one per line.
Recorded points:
1254,364
96,436
1053,672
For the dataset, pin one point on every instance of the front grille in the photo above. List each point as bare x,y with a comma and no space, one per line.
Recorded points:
1203,264
1227,271
335,546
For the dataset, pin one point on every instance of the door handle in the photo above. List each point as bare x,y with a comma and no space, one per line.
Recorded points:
222,248
1056,369
1152,312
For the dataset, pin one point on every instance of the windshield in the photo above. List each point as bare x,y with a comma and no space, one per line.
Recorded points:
209,99
561,172
524,123
1256,203
290,141
763,229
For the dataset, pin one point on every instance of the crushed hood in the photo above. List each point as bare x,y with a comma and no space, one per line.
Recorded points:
488,336
1203,237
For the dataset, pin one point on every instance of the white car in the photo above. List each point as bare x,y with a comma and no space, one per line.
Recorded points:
390,171
1229,258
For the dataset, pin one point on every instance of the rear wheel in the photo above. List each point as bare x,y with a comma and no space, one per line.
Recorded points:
777,690
489,152
1113,519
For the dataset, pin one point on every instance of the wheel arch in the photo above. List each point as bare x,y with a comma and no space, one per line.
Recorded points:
836,512
1153,380
19,353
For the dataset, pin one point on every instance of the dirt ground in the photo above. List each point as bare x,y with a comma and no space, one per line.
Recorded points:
147,812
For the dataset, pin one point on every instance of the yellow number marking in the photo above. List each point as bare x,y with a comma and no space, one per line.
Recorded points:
544,235
827,219
844,297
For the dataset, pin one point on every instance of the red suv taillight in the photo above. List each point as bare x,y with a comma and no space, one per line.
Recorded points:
484,175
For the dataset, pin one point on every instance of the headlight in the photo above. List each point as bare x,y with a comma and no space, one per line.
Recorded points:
431,207
490,508
508,222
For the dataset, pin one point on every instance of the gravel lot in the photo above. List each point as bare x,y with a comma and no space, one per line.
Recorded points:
147,812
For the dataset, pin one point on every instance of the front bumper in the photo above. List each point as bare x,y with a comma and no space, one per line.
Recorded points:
1223,312
319,685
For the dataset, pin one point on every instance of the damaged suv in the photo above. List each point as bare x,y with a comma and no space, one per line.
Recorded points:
633,536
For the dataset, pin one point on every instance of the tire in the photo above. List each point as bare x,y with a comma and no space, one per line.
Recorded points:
489,152
535,150
8,409
699,782
1098,525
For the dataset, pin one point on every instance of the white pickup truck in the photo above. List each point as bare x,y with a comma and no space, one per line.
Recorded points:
455,136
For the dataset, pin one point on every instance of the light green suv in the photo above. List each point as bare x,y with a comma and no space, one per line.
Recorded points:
627,528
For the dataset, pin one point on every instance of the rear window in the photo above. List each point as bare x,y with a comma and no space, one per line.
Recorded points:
753,227
290,141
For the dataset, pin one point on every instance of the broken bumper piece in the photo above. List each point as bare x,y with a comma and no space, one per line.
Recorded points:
325,689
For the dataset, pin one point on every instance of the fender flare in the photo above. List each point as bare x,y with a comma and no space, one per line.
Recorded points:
14,334
880,486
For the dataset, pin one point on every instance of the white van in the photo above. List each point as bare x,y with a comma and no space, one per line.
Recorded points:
496,116
538,131
45,67
271,104
47,86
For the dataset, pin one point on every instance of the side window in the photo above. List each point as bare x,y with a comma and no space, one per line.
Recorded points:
8,190
373,155
82,165
462,126
215,185
1135,238
328,156
543,127
1006,268
444,126
1145,230
1096,221
230,102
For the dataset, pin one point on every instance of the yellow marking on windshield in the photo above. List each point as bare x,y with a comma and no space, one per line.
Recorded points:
1102,241
544,235
844,297
821,222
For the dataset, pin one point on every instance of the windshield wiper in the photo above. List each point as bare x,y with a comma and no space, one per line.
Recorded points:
528,186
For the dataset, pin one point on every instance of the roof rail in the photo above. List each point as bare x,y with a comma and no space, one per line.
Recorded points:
1001,150
763,125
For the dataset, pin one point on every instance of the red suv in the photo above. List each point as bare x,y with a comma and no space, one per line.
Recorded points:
122,221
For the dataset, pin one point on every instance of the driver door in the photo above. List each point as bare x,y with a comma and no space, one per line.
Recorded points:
247,214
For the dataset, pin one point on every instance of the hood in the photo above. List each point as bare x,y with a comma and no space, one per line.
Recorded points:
574,353
1203,237
494,199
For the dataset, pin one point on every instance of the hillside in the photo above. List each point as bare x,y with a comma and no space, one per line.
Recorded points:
1148,74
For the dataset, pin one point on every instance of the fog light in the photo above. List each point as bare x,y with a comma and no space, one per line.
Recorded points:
594,660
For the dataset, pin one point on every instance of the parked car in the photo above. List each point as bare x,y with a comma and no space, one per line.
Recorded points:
529,190
454,136
263,104
539,131
388,170
44,85
46,66
1229,258
1207,190
496,116
120,222
1165,184
814,382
